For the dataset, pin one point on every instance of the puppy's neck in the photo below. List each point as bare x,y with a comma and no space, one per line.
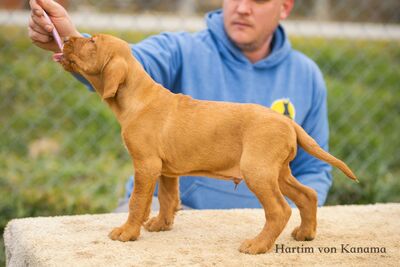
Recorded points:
137,92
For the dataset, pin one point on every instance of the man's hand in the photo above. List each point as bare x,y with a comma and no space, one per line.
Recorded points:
40,30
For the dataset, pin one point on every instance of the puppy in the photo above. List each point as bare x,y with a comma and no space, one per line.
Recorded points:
170,135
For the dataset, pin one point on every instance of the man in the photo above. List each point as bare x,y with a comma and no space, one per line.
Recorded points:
243,56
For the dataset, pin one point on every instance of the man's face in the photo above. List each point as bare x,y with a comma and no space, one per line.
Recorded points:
250,23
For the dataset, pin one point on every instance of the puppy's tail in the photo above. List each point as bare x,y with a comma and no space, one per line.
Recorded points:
312,147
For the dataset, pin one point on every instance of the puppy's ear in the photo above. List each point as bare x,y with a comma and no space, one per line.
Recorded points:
114,74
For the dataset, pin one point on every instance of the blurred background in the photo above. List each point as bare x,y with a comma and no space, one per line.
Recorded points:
60,146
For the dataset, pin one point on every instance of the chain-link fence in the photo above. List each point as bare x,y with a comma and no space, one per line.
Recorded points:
60,147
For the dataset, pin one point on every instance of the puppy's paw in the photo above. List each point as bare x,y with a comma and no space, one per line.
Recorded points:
125,233
301,234
158,223
255,246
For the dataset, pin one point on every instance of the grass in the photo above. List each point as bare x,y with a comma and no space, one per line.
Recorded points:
363,87
88,172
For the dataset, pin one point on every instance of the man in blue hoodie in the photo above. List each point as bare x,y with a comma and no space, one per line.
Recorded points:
244,56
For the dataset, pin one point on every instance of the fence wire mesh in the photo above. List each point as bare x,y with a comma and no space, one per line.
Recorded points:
60,148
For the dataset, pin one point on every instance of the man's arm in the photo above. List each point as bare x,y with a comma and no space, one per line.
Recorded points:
309,170
160,56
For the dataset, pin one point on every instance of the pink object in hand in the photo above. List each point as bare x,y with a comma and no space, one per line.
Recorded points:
56,36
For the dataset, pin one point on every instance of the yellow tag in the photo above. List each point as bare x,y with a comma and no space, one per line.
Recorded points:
285,107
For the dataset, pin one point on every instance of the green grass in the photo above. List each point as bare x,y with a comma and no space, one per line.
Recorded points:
364,91
87,175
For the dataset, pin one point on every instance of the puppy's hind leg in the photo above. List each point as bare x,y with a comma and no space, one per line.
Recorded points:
168,196
263,182
305,199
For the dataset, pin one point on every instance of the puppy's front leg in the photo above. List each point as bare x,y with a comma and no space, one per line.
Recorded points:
168,196
146,174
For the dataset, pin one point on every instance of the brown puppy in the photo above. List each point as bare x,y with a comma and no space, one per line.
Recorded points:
170,135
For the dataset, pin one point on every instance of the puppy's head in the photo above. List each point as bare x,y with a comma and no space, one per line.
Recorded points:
101,59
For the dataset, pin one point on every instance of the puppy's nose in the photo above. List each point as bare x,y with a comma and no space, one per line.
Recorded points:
66,39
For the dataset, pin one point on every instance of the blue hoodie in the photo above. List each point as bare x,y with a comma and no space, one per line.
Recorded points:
207,65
